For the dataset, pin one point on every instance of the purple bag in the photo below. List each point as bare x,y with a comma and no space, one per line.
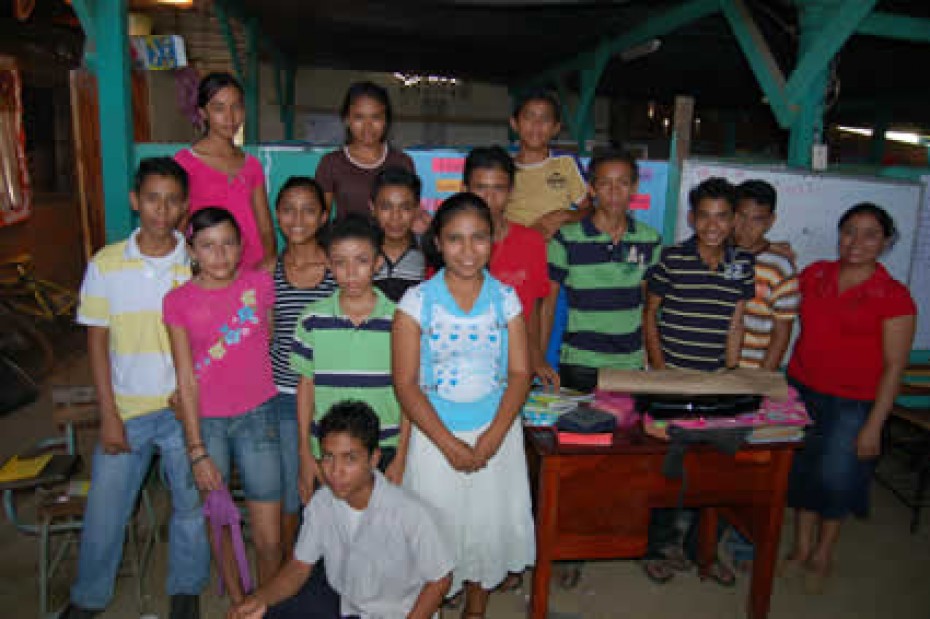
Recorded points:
221,512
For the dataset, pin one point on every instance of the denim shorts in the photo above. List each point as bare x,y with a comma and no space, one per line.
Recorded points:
252,441
285,405
827,476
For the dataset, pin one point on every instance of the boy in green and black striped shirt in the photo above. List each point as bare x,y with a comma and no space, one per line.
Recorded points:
601,261
342,347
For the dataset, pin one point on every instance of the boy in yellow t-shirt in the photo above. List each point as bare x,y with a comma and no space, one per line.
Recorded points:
548,191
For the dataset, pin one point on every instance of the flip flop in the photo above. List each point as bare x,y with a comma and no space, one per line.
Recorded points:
513,582
454,602
676,559
658,571
569,577
789,569
720,574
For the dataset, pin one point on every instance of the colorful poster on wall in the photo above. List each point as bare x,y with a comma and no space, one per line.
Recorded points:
15,191
158,52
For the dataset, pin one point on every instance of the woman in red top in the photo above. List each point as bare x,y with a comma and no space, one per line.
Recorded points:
857,325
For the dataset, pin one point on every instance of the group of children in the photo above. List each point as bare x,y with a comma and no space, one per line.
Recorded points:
387,401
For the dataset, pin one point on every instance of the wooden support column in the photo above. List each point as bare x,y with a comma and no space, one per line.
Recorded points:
104,24
681,129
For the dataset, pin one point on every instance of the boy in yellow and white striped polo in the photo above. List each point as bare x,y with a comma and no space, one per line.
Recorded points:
130,358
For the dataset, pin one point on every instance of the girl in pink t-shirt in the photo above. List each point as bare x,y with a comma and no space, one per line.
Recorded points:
219,326
221,174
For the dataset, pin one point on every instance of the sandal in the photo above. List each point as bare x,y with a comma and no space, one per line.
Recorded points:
513,582
676,559
453,602
815,581
720,574
569,577
659,571
789,568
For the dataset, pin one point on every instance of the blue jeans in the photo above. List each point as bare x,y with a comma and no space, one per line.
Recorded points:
827,476
286,406
252,440
115,484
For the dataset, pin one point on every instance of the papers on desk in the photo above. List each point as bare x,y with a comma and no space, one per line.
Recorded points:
18,469
543,408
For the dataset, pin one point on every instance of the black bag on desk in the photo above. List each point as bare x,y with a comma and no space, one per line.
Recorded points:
584,419
665,407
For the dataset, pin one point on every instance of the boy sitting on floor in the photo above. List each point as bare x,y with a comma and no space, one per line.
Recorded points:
382,547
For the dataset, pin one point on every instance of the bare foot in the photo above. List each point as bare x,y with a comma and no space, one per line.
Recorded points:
790,567
816,574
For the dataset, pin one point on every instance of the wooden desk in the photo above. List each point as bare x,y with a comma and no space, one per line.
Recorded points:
595,502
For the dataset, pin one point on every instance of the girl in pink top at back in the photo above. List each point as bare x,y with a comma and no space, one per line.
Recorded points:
221,174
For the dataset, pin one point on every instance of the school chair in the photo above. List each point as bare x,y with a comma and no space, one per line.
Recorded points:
60,493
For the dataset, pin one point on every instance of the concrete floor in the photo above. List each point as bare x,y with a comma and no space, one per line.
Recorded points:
882,570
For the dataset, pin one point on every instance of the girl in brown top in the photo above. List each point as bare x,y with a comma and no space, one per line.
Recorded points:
347,174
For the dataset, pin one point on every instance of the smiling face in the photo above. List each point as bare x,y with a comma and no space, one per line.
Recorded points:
160,203
536,124
491,185
862,240
353,262
217,250
366,121
224,113
300,215
348,468
612,186
712,220
395,208
752,223
465,244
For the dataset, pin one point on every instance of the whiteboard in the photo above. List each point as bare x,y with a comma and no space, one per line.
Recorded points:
809,208
920,272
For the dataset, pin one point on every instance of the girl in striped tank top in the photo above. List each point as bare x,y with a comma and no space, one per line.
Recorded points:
300,278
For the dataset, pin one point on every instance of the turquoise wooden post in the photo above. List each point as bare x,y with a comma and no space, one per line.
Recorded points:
252,80
807,127
760,58
671,194
104,23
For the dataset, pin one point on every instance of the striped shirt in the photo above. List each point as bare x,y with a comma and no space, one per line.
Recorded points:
698,303
348,362
289,302
776,298
603,283
394,278
123,291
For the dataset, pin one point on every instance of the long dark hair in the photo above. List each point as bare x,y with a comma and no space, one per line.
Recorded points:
452,206
212,84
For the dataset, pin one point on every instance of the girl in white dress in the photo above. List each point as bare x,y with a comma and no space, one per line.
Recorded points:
461,373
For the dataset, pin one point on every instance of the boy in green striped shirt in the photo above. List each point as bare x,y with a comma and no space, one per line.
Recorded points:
601,261
342,349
